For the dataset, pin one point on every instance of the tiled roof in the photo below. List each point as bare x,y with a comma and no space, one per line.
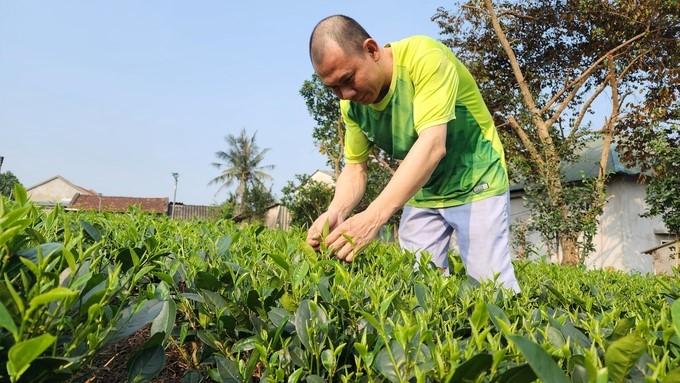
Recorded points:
119,204
189,212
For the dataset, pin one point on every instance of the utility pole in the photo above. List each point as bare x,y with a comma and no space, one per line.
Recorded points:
1,160
174,197
100,202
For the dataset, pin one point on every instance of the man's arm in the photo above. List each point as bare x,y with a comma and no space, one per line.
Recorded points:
349,189
412,174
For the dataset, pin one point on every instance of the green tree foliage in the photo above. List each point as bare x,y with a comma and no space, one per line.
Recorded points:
545,67
241,164
258,200
329,133
7,182
663,191
306,199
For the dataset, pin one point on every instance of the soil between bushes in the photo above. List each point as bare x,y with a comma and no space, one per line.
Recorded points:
110,364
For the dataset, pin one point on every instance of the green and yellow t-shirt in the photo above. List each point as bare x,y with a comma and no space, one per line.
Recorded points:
431,87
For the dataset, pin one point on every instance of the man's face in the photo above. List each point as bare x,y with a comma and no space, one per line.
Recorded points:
353,77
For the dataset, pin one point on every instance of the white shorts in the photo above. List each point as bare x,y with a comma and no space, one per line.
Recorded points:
482,230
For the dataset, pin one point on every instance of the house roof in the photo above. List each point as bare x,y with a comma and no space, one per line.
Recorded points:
588,165
667,244
324,176
119,204
188,212
80,189
326,172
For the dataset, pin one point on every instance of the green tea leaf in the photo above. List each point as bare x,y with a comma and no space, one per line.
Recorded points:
165,321
672,376
675,314
253,300
540,361
570,331
422,295
325,231
387,301
91,231
621,356
165,277
149,361
348,239
295,376
127,258
300,274
6,320
45,249
393,370
207,281
371,319
23,353
133,319
497,314
472,368
208,338
246,344
228,370
303,317
556,293
314,379
328,360
519,374
479,317
280,260
223,244
56,294
622,329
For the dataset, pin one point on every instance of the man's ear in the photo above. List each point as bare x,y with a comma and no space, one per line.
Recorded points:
372,48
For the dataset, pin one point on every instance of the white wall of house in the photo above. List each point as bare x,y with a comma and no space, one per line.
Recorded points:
623,235
323,176
55,190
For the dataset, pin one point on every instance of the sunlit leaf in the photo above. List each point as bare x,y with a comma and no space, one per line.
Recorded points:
621,356
6,320
22,354
56,294
540,361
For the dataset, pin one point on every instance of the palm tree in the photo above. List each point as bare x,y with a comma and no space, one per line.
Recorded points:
240,164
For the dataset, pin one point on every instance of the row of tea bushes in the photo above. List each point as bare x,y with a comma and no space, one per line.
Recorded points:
246,304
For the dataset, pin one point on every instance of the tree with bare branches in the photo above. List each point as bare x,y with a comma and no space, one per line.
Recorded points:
546,68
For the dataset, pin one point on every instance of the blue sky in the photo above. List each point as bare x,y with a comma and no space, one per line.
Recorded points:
117,95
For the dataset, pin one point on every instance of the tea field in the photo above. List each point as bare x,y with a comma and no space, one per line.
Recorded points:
248,304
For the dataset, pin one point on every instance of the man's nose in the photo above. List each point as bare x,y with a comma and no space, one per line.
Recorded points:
347,93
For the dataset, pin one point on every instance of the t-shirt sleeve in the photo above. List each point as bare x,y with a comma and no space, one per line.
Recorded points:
435,79
357,145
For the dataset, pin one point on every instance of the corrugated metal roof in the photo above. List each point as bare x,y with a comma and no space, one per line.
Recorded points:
189,212
588,165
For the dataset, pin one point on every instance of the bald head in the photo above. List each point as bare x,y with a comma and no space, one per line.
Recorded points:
338,29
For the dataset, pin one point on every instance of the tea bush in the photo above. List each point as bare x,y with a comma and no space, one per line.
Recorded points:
246,304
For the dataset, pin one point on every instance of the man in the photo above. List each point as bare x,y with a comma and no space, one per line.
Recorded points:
416,101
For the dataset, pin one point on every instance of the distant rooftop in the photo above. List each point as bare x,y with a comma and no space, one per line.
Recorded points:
588,165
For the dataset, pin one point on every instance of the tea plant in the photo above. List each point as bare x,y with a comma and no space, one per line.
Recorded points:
248,304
